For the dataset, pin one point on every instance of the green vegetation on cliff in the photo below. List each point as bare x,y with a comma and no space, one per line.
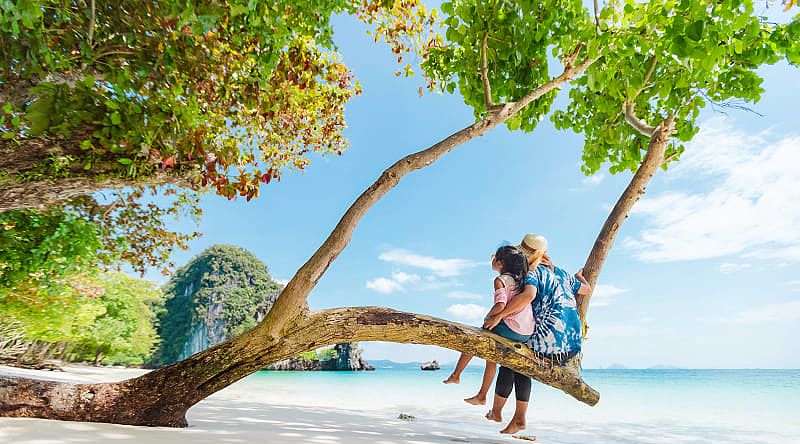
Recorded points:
219,294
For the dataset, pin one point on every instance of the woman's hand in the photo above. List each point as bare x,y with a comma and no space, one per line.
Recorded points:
491,321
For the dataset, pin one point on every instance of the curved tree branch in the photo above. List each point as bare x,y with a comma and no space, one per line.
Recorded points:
637,124
653,160
383,324
487,88
291,301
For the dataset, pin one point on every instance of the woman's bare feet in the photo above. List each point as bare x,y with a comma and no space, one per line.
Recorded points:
476,400
513,427
492,416
452,379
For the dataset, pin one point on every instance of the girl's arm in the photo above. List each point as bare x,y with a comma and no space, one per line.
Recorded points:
500,299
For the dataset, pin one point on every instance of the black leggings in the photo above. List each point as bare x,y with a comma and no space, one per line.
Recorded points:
507,378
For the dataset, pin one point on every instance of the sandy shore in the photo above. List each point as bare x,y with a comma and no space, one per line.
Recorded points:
223,419
344,408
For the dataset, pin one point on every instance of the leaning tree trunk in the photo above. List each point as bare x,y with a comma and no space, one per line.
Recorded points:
653,160
163,396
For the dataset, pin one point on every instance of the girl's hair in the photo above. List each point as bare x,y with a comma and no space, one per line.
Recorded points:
514,263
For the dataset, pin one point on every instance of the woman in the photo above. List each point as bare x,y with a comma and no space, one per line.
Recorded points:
557,331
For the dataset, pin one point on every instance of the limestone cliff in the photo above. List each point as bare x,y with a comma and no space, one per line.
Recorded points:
219,294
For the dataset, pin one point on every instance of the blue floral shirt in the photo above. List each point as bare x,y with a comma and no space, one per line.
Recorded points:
558,325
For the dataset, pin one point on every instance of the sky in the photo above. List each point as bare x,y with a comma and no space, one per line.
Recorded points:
704,274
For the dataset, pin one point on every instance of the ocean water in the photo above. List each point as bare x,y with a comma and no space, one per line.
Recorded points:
636,406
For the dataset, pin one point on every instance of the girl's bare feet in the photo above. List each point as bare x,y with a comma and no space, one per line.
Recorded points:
513,427
476,400
492,416
452,379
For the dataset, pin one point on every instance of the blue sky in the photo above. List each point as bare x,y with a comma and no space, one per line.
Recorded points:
705,273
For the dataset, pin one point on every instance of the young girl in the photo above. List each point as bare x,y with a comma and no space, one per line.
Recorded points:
513,268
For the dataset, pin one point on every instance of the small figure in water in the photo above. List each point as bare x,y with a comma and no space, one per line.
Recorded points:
512,267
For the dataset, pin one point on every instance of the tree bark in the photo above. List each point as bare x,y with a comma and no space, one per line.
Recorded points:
18,160
653,160
162,397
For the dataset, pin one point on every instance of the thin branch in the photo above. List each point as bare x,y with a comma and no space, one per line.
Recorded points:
649,74
669,158
487,89
637,124
500,40
736,104
596,17
628,106
91,23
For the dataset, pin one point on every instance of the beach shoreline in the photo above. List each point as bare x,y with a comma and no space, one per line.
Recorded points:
363,407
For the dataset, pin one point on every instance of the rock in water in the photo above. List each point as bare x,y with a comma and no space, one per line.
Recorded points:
219,294
432,365
345,356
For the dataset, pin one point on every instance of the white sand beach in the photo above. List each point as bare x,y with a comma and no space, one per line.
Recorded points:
224,418
348,407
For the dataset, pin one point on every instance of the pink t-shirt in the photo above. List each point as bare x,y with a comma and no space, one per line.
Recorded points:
522,321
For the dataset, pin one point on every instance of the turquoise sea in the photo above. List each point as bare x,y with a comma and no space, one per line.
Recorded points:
636,406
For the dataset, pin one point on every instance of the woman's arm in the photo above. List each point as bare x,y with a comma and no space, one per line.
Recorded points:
517,303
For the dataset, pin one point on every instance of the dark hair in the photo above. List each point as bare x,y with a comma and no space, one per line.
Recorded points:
514,263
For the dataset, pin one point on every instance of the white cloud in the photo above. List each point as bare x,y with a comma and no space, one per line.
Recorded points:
733,268
281,281
467,312
604,294
439,267
402,277
752,210
767,314
794,285
594,179
463,295
385,286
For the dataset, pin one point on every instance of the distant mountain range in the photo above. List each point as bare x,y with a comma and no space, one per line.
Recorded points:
385,363
655,367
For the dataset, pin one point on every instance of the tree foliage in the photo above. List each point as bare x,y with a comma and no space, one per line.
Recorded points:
233,92
669,58
206,96
107,318
124,330
516,39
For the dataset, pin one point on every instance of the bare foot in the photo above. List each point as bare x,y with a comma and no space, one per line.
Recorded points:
513,427
475,400
491,416
452,379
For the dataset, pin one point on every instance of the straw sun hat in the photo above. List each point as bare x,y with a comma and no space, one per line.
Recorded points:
532,243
